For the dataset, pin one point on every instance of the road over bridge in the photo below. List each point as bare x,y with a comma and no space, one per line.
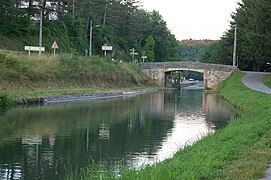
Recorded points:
213,74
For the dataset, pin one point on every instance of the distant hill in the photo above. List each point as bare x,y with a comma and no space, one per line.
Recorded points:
192,50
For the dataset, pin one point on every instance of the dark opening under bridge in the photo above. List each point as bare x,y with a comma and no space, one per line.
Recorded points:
213,74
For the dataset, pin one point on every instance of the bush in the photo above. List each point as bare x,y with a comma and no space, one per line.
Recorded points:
5,100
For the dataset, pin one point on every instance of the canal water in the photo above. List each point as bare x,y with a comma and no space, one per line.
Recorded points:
45,142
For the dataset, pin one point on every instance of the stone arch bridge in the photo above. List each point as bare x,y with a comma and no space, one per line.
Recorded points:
213,74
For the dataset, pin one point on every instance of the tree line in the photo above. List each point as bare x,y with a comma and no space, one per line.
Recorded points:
124,24
253,21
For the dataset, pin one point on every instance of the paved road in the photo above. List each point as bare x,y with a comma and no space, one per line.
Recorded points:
253,80
268,173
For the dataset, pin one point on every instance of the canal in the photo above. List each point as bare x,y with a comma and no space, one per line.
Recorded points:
46,142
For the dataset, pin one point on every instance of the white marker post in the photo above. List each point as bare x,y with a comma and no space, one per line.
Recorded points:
133,53
54,46
143,58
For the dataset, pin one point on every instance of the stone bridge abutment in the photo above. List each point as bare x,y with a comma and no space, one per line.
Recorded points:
213,74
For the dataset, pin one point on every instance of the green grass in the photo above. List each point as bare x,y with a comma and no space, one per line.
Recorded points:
242,150
267,80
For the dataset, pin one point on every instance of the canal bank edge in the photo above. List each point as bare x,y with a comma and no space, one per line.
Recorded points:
79,97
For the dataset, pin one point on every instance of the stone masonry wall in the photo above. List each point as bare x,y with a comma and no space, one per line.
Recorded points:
213,74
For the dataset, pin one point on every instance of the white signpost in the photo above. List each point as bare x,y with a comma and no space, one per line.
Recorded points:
106,48
133,53
143,58
33,48
54,46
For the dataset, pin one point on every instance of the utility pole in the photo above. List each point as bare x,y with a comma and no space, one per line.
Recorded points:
40,38
73,9
234,46
105,14
90,38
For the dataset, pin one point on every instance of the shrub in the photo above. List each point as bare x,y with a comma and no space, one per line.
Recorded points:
5,99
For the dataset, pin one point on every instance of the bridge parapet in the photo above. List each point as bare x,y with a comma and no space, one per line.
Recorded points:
187,65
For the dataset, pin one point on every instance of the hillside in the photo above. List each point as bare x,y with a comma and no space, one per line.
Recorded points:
193,50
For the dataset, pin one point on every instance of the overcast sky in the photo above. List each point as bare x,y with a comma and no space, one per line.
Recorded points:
196,19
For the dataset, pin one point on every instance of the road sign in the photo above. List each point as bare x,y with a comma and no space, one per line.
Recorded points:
143,58
33,48
54,46
107,48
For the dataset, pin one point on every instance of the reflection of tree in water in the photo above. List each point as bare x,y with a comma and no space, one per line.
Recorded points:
217,112
70,134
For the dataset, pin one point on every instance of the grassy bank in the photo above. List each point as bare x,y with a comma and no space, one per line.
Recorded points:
240,151
32,76
267,80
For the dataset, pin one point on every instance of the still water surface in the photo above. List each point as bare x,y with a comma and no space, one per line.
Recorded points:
43,142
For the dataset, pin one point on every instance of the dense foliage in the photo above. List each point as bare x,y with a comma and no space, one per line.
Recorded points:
122,24
253,20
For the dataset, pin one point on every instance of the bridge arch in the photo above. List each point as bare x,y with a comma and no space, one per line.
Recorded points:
168,73
213,74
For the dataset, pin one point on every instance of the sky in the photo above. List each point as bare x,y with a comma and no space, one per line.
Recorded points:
195,19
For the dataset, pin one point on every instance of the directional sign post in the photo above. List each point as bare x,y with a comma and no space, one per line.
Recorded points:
54,46
133,53
143,58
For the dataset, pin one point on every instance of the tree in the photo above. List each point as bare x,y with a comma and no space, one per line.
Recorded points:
253,19
12,20
148,48
123,24
165,43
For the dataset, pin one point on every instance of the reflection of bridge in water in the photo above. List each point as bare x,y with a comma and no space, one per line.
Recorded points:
213,74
